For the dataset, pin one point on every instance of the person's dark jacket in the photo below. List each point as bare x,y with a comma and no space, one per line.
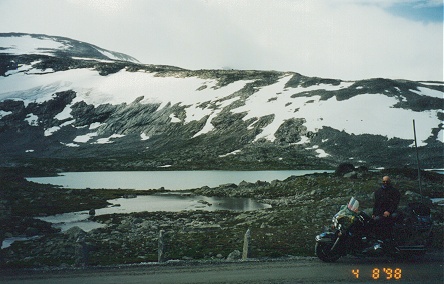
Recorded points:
386,199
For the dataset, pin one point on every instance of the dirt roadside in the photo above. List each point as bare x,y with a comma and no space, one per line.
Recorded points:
428,269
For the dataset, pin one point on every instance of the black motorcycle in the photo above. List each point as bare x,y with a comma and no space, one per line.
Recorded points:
353,233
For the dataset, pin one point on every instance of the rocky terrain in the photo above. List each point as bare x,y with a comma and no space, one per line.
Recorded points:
67,105
301,206
72,106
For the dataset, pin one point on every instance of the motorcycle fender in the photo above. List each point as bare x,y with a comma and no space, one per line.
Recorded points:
326,237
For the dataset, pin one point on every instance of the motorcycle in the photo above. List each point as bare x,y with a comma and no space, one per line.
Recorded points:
353,232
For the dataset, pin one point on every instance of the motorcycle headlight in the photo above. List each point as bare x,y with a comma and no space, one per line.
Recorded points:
335,222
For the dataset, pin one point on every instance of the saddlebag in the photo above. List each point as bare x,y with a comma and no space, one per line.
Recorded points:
413,233
417,216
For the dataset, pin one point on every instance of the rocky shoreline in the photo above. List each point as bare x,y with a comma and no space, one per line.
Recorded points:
301,206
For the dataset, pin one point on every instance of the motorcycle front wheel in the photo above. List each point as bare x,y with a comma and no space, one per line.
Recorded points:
323,251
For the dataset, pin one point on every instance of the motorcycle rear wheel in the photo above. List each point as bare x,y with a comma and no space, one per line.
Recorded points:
323,251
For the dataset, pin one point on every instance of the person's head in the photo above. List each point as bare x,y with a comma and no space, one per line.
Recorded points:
386,180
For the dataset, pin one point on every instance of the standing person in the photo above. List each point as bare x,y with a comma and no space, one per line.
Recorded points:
384,210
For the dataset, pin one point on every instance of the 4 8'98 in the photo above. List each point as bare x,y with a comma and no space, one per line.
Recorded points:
385,273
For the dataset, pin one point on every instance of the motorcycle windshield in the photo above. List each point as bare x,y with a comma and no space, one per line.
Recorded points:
353,205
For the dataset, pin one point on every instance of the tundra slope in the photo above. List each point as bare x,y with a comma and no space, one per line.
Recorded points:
75,106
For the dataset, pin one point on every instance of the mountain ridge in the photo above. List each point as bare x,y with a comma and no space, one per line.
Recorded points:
84,113
67,48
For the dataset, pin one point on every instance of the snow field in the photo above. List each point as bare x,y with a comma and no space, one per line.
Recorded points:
376,113
29,45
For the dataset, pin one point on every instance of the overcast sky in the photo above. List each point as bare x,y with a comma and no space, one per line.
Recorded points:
343,39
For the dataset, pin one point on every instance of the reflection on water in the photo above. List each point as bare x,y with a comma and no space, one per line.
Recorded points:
8,241
172,202
159,202
171,180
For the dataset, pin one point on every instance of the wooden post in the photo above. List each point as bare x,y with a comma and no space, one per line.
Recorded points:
161,247
81,251
246,249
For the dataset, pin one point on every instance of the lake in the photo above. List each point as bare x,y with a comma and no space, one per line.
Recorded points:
171,202
176,200
171,180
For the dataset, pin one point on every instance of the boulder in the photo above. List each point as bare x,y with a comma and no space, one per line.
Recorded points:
235,255
344,168
75,233
411,196
352,175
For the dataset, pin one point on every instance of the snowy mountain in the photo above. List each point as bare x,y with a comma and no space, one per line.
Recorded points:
19,43
77,106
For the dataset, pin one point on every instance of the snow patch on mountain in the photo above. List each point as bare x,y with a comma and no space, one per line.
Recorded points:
4,113
73,145
85,138
376,112
121,87
321,153
214,113
235,152
278,101
21,68
144,137
29,45
32,119
108,140
92,59
50,131
429,92
174,118
109,54
19,43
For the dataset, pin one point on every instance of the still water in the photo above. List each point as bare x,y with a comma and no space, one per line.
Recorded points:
171,202
171,180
